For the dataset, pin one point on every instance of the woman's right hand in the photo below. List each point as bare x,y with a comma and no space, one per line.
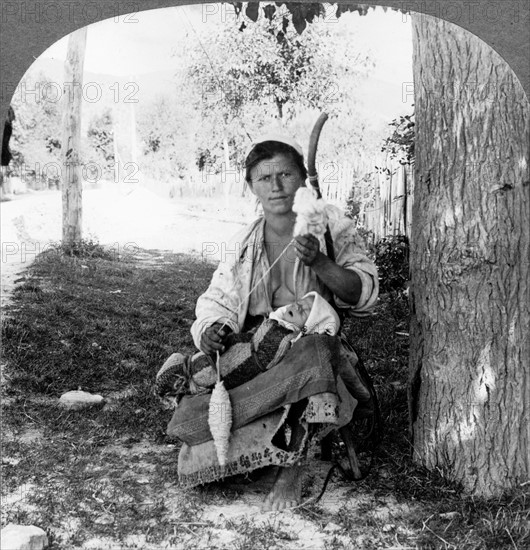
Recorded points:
213,339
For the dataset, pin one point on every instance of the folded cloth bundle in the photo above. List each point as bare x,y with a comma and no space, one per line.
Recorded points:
322,318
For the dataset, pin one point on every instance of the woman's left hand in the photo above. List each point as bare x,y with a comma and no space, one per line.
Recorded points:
307,248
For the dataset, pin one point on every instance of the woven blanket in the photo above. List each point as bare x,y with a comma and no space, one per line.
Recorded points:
248,354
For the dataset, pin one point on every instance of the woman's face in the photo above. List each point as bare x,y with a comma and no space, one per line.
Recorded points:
275,181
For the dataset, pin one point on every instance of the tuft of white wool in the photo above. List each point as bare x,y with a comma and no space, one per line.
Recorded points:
311,213
220,420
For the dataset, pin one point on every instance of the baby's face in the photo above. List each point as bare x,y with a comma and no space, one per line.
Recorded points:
298,313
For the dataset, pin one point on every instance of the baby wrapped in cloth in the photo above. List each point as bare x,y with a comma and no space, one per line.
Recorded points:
248,353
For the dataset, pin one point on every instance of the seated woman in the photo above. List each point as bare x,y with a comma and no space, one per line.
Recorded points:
315,382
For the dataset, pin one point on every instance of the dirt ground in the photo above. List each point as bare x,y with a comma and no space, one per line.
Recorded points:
126,220
220,517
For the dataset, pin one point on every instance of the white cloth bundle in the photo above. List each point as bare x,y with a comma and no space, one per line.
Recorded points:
322,318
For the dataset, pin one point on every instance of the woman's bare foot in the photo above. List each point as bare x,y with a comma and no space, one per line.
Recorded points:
287,490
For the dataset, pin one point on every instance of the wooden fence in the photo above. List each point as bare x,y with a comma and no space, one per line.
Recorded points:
390,210
384,197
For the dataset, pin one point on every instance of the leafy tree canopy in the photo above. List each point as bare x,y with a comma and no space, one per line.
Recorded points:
300,13
258,71
36,142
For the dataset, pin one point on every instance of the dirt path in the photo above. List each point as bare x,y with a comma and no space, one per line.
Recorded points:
222,516
127,222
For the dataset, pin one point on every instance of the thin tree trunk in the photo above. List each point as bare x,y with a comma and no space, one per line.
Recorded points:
470,376
115,133
134,142
279,105
226,174
404,173
72,190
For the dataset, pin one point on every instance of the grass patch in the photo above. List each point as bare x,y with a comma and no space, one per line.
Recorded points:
85,248
106,324
93,321
101,325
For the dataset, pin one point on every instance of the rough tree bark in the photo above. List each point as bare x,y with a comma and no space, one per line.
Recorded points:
72,190
470,378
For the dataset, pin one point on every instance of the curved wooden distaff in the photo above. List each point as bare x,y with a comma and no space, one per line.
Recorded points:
313,181
312,153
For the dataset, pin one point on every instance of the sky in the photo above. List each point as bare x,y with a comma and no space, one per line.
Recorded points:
145,41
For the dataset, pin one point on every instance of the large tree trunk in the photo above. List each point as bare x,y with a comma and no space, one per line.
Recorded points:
470,377
72,190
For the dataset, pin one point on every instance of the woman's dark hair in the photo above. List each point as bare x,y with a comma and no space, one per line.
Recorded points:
267,150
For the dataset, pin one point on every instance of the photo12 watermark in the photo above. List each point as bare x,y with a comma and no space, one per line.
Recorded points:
234,251
227,13
513,11
92,172
328,172
68,11
55,92
471,90
26,252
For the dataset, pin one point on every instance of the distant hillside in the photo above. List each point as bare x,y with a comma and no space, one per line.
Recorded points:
378,100
113,89
381,98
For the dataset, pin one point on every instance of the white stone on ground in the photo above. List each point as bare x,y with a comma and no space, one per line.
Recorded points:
22,537
104,519
78,399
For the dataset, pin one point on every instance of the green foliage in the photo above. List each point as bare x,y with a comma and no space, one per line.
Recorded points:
101,141
296,14
259,71
205,159
36,140
37,135
265,64
85,248
361,191
367,235
392,260
164,126
400,144
352,206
